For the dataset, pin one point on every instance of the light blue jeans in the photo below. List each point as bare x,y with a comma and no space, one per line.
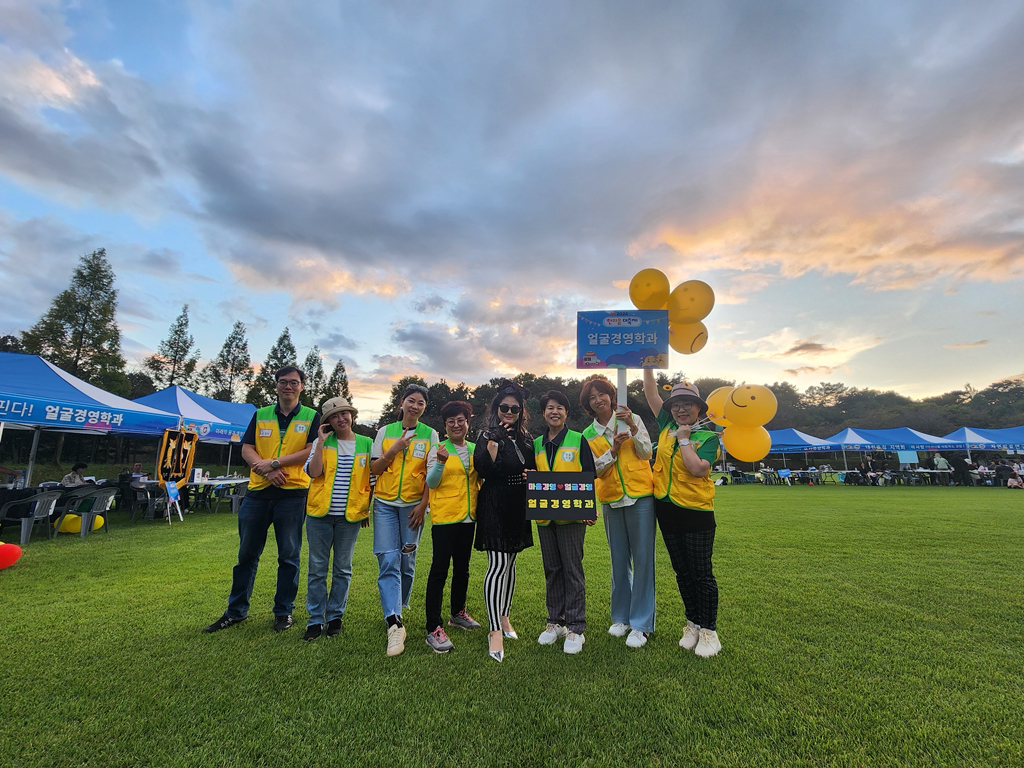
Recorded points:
631,532
395,544
327,534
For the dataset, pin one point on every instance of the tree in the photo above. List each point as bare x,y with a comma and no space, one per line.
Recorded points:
229,375
11,344
176,358
79,332
316,379
264,388
337,385
141,384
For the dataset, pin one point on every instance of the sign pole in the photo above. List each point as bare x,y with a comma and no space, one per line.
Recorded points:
621,396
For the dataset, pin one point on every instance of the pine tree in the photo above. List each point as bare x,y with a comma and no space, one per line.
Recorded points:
229,375
79,332
316,379
264,389
337,385
11,344
176,358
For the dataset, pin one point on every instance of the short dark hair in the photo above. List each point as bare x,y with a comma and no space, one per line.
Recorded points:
79,465
290,369
452,409
601,385
558,397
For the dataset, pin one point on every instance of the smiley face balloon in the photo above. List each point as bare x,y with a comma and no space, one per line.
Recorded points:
689,338
649,289
751,405
716,406
747,443
690,302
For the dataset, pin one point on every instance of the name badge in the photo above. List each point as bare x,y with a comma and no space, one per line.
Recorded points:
362,461
266,432
420,451
568,455
300,428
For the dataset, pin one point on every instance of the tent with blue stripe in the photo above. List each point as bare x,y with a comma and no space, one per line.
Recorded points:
1011,438
795,441
213,420
37,395
899,439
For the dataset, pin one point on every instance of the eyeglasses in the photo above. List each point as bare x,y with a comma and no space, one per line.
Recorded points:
685,404
289,383
460,422
513,409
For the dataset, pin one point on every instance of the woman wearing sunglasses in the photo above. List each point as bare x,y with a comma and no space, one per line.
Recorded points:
403,454
685,507
454,486
501,458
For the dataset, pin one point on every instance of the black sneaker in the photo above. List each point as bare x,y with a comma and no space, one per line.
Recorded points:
222,623
334,627
313,632
283,623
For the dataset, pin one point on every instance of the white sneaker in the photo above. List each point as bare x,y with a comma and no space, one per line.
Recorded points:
636,639
573,643
551,633
618,630
690,636
709,644
396,640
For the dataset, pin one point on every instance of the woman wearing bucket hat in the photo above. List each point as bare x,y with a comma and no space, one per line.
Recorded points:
685,506
337,507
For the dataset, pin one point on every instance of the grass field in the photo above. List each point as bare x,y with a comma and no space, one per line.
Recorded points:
861,626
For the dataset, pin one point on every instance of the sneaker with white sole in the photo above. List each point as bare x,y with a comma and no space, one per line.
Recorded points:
439,641
636,639
551,633
463,620
396,639
618,630
690,636
573,643
709,644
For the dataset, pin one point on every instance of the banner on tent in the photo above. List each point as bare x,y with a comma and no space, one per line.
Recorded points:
49,413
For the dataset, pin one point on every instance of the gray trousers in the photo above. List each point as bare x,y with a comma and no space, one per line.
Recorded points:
561,549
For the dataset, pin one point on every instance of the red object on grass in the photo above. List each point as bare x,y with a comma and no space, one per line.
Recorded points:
9,555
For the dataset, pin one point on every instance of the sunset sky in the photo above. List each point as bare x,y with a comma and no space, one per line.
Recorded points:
437,188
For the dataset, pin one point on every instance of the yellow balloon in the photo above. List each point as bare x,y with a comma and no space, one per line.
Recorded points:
690,301
687,339
751,406
649,289
747,443
71,524
716,406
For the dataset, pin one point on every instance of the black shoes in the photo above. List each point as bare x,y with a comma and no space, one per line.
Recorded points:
284,623
313,632
223,623
334,627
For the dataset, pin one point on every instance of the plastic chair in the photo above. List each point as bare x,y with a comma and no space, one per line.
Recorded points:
148,498
44,504
236,494
84,505
102,500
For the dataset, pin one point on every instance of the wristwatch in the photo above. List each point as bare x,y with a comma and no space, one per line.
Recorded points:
275,464
683,442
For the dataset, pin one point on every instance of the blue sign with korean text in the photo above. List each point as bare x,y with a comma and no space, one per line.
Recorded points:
626,338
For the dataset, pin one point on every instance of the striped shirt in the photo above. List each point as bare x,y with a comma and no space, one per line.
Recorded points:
343,477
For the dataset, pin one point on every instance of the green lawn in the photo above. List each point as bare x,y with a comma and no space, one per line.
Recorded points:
861,626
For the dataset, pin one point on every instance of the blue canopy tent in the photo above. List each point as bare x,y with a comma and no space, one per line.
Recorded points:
213,420
1011,439
786,441
899,439
37,395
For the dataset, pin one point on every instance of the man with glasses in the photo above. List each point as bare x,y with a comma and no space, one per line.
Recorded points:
276,445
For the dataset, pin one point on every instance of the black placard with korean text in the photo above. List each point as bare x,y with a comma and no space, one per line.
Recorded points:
560,496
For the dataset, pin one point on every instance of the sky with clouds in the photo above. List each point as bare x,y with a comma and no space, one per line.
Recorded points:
438,187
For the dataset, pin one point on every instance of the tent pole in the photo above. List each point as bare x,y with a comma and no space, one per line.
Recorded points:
228,470
32,456
845,467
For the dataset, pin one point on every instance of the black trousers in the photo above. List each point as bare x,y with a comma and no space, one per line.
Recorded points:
453,544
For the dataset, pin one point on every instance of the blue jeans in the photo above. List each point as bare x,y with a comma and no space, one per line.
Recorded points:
327,534
395,545
255,517
631,532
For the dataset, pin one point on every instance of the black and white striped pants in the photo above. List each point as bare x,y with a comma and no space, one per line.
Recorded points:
499,586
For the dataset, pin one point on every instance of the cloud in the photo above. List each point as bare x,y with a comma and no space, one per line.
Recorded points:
431,303
787,343
808,347
333,342
808,370
972,345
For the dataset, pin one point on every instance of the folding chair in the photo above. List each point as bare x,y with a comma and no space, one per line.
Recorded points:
41,506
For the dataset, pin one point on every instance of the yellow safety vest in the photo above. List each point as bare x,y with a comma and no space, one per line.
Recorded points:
567,459
631,475
271,444
322,488
406,478
672,480
454,499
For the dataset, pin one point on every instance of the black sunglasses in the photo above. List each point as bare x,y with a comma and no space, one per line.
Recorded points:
509,408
